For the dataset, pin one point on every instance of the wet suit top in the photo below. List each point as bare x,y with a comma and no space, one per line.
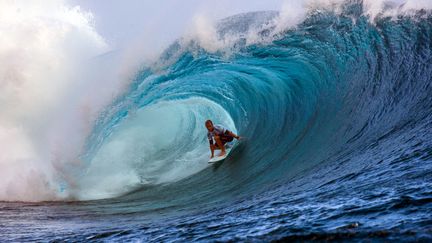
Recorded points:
221,132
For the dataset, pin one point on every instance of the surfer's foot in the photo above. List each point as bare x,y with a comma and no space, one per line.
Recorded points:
222,154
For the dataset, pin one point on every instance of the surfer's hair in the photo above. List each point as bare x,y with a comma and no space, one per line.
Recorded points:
208,122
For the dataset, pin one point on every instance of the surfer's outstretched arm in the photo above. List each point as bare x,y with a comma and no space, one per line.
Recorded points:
233,135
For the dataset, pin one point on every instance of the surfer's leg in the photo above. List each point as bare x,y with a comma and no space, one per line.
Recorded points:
215,146
220,144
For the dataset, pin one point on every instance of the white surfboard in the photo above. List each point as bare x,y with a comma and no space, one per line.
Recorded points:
228,149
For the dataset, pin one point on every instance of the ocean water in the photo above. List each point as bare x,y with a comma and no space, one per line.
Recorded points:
336,118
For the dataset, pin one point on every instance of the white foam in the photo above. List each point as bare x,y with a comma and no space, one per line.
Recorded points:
291,13
41,47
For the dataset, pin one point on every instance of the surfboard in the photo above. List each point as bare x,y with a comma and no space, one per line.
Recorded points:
228,148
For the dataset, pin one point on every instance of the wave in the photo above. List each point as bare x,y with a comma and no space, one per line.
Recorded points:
310,86
323,92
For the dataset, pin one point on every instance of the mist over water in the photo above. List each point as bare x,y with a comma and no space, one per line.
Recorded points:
42,109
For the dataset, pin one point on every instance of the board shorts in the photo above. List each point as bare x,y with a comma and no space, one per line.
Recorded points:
225,138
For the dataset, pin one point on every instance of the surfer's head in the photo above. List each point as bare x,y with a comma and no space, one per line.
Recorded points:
209,125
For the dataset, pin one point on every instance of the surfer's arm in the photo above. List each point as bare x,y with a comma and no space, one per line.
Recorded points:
211,147
212,151
233,135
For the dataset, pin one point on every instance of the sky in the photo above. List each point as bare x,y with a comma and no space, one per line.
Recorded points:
158,23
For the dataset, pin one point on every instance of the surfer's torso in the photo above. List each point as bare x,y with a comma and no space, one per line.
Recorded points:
217,131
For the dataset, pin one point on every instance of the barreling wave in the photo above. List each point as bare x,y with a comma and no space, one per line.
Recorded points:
321,93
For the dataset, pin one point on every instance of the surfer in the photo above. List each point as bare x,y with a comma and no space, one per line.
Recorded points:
218,136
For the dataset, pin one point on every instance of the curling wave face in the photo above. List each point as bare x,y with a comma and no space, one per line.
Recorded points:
317,93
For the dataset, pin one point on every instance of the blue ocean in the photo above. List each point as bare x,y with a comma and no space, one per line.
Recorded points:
335,115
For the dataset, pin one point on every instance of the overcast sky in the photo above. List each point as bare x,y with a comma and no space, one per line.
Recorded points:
160,22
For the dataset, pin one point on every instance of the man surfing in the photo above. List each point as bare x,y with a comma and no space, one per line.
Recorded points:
218,137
